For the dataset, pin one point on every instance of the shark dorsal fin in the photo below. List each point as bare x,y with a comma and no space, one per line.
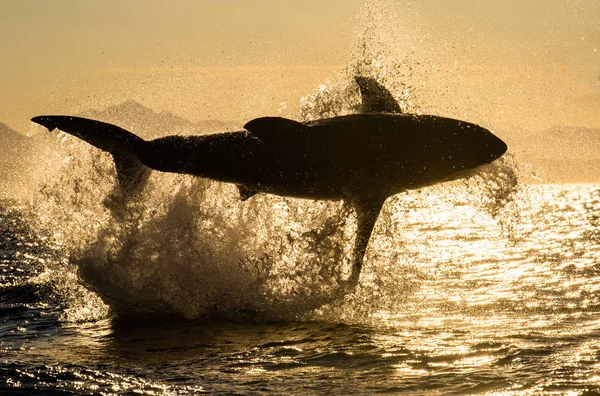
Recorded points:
375,97
270,129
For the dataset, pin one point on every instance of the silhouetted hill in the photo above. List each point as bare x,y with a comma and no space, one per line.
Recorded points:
14,148
559,154
10,137
12,144
148,123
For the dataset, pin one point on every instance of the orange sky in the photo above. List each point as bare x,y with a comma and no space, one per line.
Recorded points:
533,63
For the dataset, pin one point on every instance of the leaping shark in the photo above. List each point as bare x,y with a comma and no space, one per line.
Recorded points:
361,159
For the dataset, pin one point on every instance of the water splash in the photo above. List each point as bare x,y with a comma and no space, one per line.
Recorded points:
341,95
495,190
373,57
191,248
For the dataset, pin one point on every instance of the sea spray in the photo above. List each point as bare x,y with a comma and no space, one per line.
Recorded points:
190,247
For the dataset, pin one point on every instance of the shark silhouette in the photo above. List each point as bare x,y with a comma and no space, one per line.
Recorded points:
360,158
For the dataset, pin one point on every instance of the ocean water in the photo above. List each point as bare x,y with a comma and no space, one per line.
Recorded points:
479,286
483,285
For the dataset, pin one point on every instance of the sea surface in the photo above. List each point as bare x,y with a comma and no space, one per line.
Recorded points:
483,286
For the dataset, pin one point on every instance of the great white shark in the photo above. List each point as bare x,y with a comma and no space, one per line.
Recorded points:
361,159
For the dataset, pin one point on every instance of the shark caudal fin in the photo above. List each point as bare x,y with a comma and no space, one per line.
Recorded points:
121,144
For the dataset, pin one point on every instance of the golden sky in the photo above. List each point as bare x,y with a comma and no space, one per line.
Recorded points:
500,62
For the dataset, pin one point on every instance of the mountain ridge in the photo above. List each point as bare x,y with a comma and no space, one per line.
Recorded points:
148,123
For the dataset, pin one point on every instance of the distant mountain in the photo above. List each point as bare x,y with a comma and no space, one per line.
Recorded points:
14,149
148,123
9,137
566,143
12,144
559,154
18,152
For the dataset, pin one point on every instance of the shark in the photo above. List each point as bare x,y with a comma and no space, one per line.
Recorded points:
361,158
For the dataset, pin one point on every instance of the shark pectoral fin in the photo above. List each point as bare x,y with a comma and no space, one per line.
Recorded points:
275,129
245,192
375,97
367,212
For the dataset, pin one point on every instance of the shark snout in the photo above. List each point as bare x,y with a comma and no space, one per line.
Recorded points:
496,146
485,145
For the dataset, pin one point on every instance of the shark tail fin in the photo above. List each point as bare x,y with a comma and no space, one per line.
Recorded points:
123,145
